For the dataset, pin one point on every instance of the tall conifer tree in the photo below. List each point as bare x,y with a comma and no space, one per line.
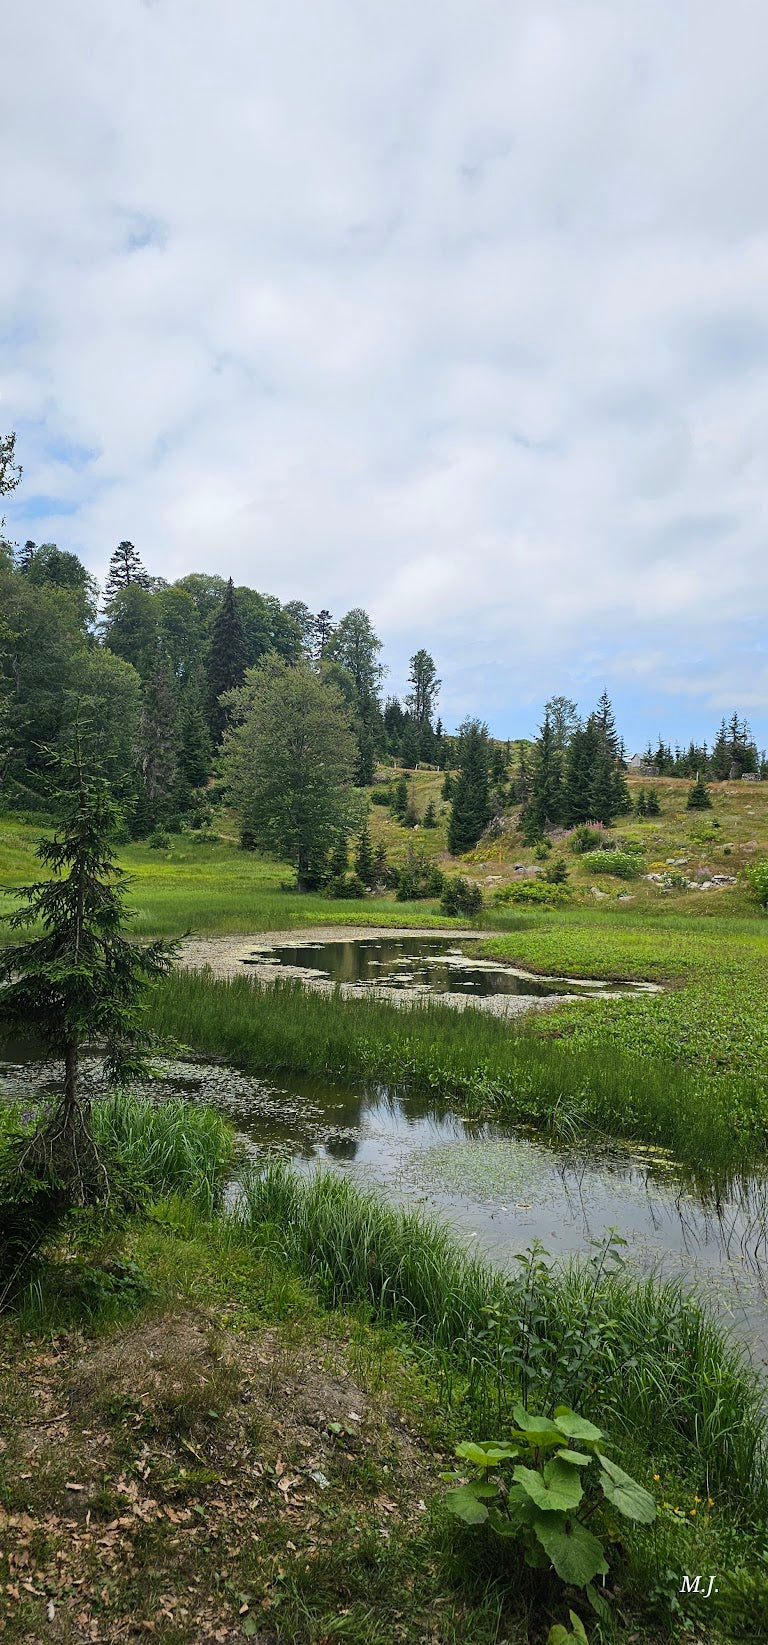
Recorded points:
470,808
226,660
125,567
544,807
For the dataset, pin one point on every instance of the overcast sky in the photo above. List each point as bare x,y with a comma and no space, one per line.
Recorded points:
456,311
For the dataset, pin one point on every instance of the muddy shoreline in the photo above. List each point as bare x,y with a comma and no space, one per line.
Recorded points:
228,957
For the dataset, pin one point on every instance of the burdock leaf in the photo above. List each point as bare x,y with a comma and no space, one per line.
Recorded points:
631,1499
576,1554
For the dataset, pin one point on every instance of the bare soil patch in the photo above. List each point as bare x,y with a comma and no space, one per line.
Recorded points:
159,1483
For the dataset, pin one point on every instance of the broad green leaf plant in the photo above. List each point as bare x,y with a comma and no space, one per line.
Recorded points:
560,1476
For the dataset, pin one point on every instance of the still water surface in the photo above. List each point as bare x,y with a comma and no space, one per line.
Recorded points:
498,1187
433,965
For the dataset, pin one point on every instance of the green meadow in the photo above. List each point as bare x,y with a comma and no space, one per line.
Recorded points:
184,1339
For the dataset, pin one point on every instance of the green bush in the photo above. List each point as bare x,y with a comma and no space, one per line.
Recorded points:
347,886
556,872
460,897
159,840
756,877
625,865
587,837
539,892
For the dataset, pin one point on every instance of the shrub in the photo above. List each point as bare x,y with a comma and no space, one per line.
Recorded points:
381,796
625,865
536,892
556,872
159,840
346,885
460,896
756,877
418,878
587,837
673,880
652,806
542,849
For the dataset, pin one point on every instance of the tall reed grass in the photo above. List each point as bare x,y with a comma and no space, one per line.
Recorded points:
656,1367
171,1147
469,1057
165,1148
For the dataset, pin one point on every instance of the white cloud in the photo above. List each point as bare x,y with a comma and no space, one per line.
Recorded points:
457,311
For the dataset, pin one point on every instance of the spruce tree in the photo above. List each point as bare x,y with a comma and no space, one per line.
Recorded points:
125,567
424,689
409,747
603,786
652,807
400,798
470,808
225,663
699,798
194,744
520,785
430,816
364,855
322,633
158,767
79,983
545,805
606,723
339,859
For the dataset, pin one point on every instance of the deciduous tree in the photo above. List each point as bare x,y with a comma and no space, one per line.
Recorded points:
289,762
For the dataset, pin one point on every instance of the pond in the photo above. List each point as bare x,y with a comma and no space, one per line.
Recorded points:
432,965
499,1188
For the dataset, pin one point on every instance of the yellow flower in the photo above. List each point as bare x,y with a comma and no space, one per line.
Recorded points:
693,1510
697,1499
711,1501
657,1478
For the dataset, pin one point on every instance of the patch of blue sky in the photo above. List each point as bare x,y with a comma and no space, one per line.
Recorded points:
139,231
726,345
43,507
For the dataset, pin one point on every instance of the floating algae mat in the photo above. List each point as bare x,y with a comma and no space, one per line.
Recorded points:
431,965
499,1187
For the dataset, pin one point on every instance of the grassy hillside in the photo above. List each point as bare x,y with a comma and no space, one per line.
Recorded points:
721,841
